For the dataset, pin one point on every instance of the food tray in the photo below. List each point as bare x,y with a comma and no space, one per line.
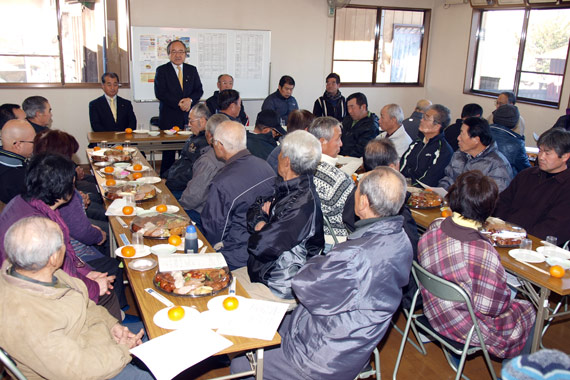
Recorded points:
424,200
115,192
218,286
503,234
161,221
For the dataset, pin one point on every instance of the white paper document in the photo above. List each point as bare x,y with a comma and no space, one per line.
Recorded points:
172,353
191,261
349,164
254,319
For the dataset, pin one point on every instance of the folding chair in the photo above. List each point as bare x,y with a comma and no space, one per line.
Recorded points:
448,291
10,366
366,373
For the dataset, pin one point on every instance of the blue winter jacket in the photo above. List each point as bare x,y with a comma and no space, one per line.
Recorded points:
511,144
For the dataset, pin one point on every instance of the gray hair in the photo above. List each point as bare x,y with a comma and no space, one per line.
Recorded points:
395,111
323,127
232,135
34,104
385,189
201,110
423,104
380,152
214,121
303,151
30,242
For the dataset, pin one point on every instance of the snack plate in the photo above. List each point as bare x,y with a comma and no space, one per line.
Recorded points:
149,213
416,194
212,293
191,317
142,265
145,251
137,201
501,230
557,252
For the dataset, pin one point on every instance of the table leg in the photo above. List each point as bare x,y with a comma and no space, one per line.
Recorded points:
259,367
541,316
112,241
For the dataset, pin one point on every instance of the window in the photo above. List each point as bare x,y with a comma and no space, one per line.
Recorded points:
380,46
519,50
55,43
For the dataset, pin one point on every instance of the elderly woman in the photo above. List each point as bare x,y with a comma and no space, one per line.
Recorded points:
287,229
49,185
455,250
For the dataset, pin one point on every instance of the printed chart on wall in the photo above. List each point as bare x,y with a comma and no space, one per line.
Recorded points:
244,54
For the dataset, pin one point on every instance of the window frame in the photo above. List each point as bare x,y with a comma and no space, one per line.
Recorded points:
423,49
472,54
101,63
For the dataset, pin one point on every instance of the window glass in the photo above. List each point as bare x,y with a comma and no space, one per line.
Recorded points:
388,51
94,39
499,39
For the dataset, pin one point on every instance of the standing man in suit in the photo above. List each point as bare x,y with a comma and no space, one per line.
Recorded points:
177,85
110,112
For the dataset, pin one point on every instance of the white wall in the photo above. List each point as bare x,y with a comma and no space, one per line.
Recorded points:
301,43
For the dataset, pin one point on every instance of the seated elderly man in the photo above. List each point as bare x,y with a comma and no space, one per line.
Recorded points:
50,327
426,158
203,171
478,151
391,117
510,143
17,147
333,185
537,198
454,249
287,228
181,170
232,192
347,298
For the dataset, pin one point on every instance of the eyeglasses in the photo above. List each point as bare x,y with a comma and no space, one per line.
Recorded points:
23,141
497,103
218,142
429,118
177,52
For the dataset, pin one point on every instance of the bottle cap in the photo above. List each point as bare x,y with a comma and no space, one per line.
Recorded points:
191,229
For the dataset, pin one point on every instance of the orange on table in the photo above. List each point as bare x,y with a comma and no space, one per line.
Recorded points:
128,210
110,182
129,130
176,313
109,169
137,167
161,208
446,211
128,251
176,128
175,240
137,175
557,271
230,303
119,147
96,148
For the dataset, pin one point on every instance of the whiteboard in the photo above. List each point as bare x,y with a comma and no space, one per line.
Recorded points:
244,54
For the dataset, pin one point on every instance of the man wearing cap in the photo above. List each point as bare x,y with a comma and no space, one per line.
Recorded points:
225,82
261,141
508,97
510,143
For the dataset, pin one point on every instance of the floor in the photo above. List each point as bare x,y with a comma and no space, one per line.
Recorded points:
414,364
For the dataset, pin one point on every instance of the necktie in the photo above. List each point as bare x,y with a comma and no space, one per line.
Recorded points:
180,76
113,109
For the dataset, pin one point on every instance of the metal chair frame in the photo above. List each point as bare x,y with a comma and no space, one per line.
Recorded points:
10,366
448,291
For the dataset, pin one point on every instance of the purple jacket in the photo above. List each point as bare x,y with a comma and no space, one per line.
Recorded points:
80,228
18,209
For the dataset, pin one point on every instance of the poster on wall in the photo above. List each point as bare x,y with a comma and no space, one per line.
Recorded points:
244,54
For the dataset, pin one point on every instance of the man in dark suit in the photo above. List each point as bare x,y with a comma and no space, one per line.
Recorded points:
177,85
110,112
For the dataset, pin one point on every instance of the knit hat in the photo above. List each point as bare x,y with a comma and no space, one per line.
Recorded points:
506,115
543,365
269,118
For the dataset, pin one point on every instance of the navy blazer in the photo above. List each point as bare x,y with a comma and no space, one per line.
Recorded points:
167,89
102,119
